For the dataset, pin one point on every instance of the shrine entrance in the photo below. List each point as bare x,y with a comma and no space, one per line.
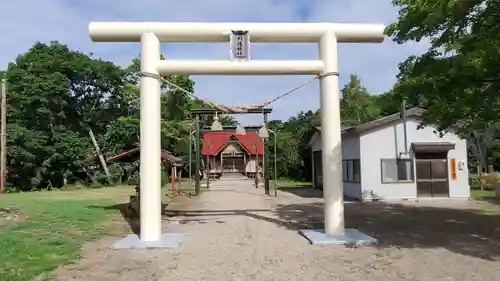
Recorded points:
325,69
233,162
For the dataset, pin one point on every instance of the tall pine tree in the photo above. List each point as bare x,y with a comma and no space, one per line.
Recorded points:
356,104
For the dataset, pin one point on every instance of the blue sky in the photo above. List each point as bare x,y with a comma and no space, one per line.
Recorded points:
28,21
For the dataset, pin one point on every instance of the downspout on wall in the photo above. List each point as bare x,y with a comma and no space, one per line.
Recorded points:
405,133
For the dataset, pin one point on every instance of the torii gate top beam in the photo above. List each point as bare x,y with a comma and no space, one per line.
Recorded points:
219,32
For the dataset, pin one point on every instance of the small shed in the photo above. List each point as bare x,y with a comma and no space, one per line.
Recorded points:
390,158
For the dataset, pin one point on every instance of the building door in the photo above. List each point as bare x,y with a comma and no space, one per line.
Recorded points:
432,176
233,164
228,165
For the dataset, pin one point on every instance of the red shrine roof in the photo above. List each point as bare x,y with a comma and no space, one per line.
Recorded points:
214,142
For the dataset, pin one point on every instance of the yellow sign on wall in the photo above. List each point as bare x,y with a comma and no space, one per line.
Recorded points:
453,168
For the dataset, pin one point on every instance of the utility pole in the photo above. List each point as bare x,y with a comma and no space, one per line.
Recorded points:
3,136
265,159
197,187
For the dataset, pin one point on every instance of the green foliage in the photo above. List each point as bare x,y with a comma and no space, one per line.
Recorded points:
458,78
356,105
388,103
292,153
56,95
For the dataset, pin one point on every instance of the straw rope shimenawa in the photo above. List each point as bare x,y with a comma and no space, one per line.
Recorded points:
243,109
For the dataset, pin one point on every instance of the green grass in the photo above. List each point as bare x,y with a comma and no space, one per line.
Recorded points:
51,229
478,194
488,196
292,183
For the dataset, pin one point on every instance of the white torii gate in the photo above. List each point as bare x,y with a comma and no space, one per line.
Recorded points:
151,33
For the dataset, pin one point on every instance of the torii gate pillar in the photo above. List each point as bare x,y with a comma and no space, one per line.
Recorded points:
151,34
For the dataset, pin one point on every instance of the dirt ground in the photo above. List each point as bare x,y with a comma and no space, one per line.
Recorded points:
243,235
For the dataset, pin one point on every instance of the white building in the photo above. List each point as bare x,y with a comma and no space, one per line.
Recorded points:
378,165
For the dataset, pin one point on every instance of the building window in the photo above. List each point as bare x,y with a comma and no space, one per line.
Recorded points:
397,170
351,170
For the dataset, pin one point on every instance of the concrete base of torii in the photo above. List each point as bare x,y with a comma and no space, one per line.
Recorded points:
350,237
133,241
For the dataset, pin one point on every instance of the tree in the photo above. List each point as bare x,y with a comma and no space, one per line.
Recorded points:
55,96
356,105
481,140
174,103
458,77
495,154
293,154
388,103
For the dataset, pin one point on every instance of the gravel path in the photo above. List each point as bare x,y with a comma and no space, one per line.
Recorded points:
238,235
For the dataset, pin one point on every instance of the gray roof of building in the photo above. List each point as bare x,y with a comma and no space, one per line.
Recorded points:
413,112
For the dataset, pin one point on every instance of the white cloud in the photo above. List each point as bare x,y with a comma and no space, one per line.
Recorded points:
24,22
